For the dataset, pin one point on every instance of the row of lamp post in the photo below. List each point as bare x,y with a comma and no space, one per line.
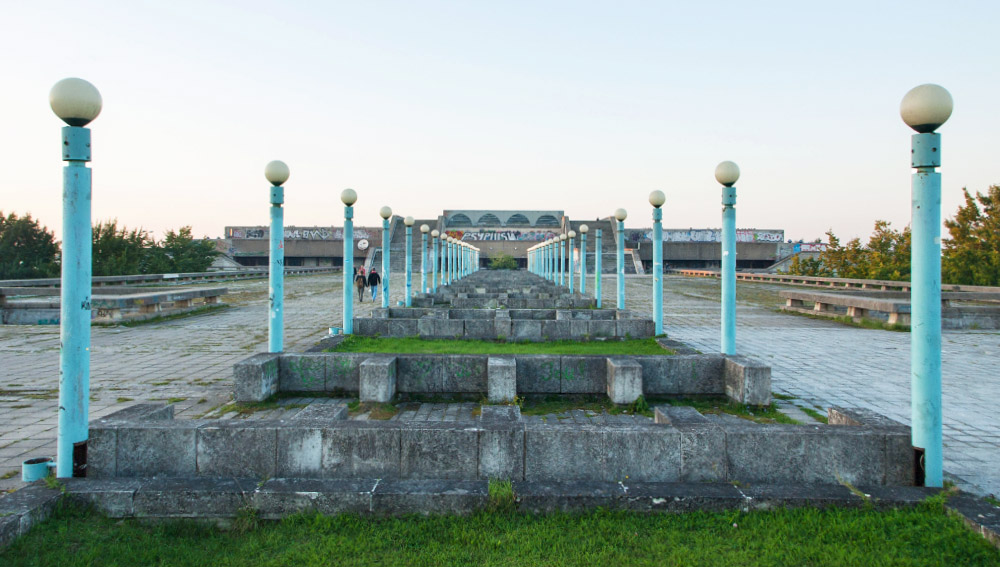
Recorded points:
77,102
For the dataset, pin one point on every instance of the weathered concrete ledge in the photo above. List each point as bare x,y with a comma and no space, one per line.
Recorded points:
108,305
742,379
681,446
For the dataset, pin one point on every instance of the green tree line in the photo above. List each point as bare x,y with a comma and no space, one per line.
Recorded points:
29,250
970,256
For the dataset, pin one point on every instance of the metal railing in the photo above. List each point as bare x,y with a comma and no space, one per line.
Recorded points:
225,275
837,283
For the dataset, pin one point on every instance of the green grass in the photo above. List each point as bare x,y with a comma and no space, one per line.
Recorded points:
992,501
354,343
924,535
547,405
814,414
783,397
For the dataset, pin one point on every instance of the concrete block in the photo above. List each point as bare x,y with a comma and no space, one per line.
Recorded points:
538,374
321,414
837,415
766,453
563,452
439,450
113,497
361,450
342,371
368,327
642,454
299,452
501,379
378,379
748,381
852,455
166,448
702,443
418,373
899,459
503,414
634,328
140,412
193,497
502,326
302,372
556,330
282,497
102,452
525,330
583,374
237,450
501,449
434,328
256,378
481,329
599,328
624,380
22,509
399,497
697,374
402,328
463,373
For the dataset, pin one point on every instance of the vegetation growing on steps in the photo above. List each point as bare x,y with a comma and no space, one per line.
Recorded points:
412,345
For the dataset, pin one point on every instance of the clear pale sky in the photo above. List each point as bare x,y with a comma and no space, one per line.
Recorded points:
424,106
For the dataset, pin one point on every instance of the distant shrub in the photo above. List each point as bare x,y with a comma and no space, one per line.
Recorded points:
503,262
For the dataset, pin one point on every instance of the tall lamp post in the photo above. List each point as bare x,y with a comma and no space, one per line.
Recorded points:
386,214
561,243
657,198
76,102
277,173
620,216
408,221
925,108
583,258
727,173
424,229
597,266
569,252
348,197
435,253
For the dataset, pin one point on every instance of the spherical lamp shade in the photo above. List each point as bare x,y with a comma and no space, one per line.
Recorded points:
349,197
584,229
572,234
926,107
276,172
75,101
408,221
727,173
424,228
385,212
562,237
435,233
657,198
621,214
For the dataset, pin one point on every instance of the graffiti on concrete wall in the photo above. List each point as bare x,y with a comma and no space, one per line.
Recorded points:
501,235
809,247
294,233
705,235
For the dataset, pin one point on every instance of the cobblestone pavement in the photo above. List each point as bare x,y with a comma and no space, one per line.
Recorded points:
189,362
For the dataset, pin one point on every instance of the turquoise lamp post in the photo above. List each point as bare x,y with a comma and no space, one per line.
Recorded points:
620,216
77,103
408,222
597,266
424,229
348,197
925,108
727,173
386,214
583,258
657,198
435,254
561,243
569,252
277,173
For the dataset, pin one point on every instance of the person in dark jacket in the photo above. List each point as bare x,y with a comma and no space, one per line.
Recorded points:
359,282
374,280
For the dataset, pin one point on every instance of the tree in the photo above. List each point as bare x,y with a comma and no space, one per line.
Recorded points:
27,249
503,262
119,251
179,252
885,257
972,254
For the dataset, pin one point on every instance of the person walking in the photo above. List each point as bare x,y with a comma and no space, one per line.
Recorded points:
359,282
373,282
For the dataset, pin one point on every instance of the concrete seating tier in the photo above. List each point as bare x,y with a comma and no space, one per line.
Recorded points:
894,307
504,324
40,306
681,445
379,377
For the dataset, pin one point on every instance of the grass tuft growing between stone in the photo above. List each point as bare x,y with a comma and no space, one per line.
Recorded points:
924,535
409,345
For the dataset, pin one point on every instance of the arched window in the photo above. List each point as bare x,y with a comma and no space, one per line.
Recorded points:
547,220
459,220
517,219
489,219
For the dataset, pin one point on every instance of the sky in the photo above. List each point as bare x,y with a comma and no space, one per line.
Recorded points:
424,106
